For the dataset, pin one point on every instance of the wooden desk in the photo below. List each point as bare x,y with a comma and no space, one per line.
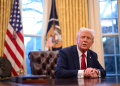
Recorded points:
107,81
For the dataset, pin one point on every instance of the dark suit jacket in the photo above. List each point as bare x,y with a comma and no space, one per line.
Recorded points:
68,63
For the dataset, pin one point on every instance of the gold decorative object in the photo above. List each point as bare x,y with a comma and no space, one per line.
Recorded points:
21,71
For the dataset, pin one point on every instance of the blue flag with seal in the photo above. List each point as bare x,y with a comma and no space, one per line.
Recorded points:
53,35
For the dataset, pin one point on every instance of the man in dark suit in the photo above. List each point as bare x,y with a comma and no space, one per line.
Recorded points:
70,63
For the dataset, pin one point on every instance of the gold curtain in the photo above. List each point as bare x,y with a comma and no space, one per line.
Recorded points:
72,15
5,7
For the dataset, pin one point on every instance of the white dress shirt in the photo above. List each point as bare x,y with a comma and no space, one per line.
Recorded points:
81,72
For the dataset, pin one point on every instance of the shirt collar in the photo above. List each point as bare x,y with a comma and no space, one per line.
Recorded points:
80,53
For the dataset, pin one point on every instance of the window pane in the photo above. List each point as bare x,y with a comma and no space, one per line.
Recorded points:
111,45
31,44
118,64
108,45
110,64
105,9
114,9
115,25
117,44
106,26
32,14
109,25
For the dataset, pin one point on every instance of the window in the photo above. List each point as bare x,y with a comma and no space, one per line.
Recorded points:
32,16
110,36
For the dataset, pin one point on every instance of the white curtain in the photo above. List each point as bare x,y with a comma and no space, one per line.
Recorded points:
46,13
94,23
118,7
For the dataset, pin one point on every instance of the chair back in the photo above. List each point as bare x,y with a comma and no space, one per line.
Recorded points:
5,67
43,62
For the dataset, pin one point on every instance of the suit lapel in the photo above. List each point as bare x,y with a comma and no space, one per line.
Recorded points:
75,57
89,59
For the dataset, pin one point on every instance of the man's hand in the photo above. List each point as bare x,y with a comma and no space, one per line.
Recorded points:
91,73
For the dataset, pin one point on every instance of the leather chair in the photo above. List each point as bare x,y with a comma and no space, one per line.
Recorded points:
5,67
43,62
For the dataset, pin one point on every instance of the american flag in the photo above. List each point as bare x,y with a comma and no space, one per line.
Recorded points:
14,41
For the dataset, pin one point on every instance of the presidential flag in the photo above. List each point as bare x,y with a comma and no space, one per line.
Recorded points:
14,41
53,36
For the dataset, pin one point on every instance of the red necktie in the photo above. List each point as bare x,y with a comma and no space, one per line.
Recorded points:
83,64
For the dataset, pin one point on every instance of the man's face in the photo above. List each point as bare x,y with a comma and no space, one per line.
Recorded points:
84,41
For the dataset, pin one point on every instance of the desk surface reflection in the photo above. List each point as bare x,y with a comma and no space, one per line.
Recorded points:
107,81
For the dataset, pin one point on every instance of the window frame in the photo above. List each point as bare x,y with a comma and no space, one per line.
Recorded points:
112,35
